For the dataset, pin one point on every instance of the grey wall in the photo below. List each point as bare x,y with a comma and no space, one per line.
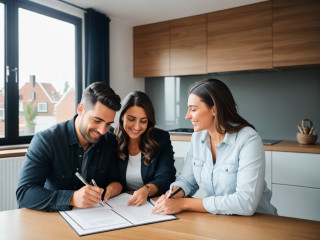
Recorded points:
274,102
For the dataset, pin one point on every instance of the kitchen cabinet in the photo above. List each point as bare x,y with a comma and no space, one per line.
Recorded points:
151,50
180,149
240,38
268,169
296,184
298,202
188,45
296,32
266,35
176,47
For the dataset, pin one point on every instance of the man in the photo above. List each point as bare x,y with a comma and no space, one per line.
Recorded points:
83,144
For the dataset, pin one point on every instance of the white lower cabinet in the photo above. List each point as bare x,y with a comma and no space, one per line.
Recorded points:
298,202
180,149
267,176
295,187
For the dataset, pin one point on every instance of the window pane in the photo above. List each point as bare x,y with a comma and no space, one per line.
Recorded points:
2,75
46,71
42,107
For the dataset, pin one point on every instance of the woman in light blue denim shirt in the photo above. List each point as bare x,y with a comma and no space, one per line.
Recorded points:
226,159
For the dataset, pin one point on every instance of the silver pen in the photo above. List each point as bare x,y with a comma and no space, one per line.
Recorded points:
81,179
85,183
94,183
170,192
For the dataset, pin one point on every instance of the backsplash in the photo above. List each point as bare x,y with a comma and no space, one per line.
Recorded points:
275,102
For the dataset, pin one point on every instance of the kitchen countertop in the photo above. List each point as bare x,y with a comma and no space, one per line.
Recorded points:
283,146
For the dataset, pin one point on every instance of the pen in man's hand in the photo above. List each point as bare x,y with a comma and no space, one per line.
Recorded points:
85,183
81,179
94,183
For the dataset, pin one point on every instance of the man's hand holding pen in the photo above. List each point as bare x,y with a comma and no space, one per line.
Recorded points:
171,202
87,196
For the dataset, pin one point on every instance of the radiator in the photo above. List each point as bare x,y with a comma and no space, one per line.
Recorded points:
9,173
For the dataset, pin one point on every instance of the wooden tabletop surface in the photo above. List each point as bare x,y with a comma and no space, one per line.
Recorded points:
25,224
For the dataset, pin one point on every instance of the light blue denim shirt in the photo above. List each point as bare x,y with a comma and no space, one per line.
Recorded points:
235,183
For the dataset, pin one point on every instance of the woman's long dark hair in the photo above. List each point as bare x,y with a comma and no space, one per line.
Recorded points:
214,92
148,145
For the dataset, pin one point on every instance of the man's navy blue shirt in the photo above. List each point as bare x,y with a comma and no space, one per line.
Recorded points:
47,179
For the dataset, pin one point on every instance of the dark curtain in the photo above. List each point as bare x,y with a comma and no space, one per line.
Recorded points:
96,47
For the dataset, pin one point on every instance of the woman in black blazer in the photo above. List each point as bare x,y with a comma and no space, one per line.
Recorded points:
145,153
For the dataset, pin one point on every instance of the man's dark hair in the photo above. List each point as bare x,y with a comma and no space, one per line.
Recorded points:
100,92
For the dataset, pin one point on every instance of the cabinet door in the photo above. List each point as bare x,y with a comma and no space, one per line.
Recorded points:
298,169
151,50
188,45
298,202
240,38
180,149
296,32
268,169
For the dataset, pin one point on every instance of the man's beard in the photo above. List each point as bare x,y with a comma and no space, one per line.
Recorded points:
86,135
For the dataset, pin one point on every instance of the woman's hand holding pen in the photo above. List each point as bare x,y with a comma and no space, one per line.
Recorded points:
171,202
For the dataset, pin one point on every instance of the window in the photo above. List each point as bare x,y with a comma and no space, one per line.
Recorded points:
42,107
2,72
1,114
42,63
21,109
32,96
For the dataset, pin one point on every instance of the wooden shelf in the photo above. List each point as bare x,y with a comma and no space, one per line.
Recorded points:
13,152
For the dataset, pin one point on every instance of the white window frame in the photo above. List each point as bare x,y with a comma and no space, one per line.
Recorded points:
42,107
1,113
21,109
32,96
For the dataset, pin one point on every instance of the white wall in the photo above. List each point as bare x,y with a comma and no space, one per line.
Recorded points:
121,60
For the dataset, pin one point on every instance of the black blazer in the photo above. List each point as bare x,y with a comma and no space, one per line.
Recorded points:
161,172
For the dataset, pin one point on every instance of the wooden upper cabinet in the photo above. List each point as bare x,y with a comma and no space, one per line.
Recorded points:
151,50
240,38
296,32
188,45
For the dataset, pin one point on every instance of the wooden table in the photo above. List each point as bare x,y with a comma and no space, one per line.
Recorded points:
23,224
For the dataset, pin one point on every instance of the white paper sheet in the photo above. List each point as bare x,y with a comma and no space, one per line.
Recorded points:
114,215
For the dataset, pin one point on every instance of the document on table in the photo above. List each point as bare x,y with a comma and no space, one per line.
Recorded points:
115,214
